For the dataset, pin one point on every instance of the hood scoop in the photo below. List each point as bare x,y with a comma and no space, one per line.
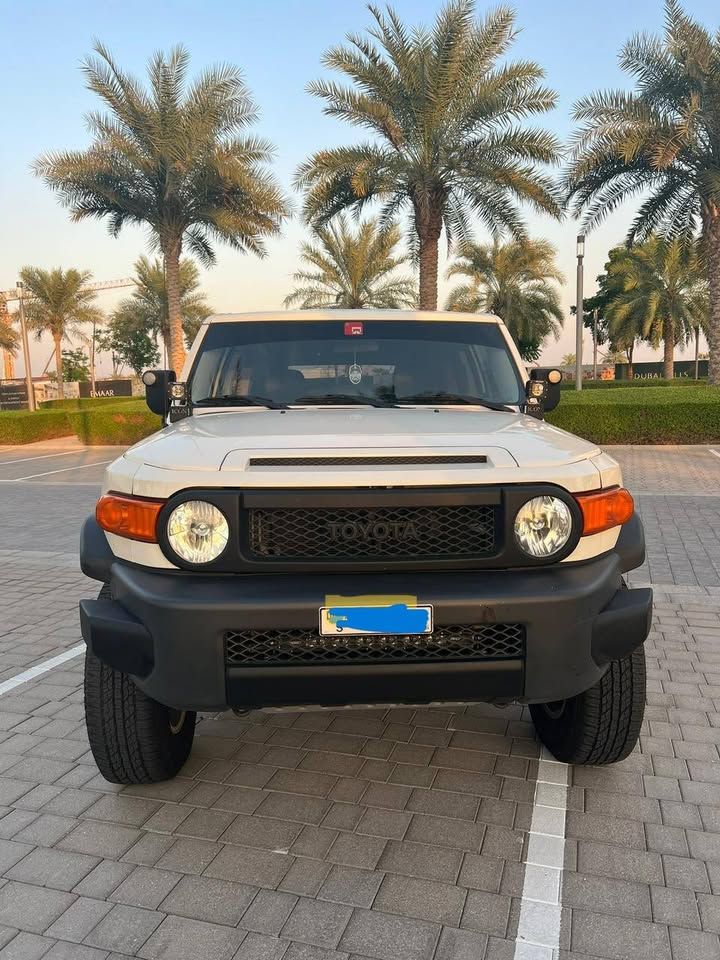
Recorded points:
361,461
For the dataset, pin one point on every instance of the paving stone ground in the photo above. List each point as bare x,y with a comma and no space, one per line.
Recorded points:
384,833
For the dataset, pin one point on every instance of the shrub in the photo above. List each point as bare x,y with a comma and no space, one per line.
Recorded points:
81,403
642,415
121,424
20,426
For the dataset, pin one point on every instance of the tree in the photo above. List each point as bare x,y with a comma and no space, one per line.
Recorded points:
353,269
661,295
146,310
8,337
514,280
662,138
568,360
75,366
614,356
128,345
59,303
446,117
172,158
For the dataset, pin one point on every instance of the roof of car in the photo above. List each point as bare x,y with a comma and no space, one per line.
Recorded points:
301,315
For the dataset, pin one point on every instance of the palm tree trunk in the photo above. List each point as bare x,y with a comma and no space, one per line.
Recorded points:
59,366
712,238
669,348
428,222
428,273
172,281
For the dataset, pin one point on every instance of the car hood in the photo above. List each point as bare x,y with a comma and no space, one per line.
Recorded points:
226,441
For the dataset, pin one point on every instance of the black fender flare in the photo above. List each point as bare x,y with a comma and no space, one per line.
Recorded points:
630,546
96,557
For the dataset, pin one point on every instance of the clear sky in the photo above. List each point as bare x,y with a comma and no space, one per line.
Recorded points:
278,45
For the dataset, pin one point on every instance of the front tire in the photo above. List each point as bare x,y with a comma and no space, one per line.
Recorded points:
133,738
601,725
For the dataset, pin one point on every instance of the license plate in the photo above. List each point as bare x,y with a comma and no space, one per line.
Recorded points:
393,620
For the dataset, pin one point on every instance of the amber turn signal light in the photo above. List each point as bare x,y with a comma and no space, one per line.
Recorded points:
605,509
132,517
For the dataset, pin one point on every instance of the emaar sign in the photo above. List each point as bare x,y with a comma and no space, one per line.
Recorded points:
107,388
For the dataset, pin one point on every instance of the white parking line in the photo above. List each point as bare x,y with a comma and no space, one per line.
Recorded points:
44,456
538,933
716,452
41,668
48,473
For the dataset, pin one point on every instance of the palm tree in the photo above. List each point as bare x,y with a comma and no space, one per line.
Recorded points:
663,138
353,269
171,158
146,310
59,303
661,296
514,280
447,134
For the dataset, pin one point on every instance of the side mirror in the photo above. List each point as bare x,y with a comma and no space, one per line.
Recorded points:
157,390
542,391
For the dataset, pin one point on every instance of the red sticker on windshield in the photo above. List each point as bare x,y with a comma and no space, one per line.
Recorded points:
354,329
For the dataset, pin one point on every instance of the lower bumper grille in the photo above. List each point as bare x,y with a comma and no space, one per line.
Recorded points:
495,641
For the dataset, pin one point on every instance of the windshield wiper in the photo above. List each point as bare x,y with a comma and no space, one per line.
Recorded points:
453,398
343,398
231,400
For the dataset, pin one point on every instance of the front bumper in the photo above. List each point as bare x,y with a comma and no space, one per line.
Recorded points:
168,630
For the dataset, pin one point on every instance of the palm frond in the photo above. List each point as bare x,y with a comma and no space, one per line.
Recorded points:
352,268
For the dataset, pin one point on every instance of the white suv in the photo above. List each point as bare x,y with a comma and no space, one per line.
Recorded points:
352,507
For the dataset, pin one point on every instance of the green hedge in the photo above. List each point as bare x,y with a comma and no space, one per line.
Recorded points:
19,426
95,424
122,424
682,412
669,414
82,403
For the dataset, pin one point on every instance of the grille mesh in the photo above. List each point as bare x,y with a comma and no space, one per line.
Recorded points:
362,461
399,533
496,641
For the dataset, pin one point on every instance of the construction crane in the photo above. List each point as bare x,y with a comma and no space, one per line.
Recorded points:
8,296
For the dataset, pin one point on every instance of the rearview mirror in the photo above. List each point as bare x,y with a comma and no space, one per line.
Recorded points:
542,391
157,390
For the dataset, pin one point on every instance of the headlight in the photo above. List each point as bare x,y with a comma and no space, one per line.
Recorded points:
543,526
197,531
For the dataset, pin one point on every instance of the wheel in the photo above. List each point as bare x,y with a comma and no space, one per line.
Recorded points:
601,725
133,738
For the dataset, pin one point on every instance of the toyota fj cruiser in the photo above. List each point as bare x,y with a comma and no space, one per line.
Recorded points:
359,507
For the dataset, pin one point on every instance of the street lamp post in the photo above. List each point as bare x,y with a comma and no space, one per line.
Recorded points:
595,320
580,315
26,348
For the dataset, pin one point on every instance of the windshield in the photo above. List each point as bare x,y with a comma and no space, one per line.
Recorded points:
353,362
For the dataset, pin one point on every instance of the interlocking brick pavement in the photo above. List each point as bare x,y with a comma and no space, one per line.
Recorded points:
371,834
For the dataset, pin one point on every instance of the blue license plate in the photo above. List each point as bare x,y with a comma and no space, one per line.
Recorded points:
394,620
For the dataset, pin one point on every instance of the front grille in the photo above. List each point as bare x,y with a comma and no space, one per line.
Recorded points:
363,461
494,641
397,533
